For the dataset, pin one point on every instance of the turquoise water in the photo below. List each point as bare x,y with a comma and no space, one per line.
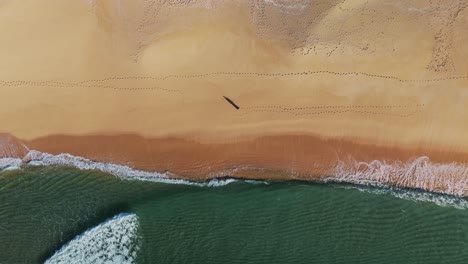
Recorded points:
43,208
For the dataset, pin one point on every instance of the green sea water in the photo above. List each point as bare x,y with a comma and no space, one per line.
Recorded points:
42,208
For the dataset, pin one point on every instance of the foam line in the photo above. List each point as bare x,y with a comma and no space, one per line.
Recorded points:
415,196
114,241
37,158
420,173
10,163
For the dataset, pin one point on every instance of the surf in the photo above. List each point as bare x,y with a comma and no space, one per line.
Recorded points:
114,241
419,180
420,173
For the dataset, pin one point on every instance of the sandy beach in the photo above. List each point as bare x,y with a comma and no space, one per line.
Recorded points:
323,87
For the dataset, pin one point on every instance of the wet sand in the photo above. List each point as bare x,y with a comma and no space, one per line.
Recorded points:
299,155
302,157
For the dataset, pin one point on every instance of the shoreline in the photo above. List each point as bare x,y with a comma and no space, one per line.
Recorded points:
323,93
300,153
37,159
308,158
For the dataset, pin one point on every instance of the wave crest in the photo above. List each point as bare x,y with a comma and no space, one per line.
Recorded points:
420,173
114,241
37,158
10,163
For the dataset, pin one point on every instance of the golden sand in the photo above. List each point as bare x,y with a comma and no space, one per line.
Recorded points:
317,82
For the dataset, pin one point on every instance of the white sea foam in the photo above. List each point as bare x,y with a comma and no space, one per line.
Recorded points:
10,163
121,171
37,158
420,173
220,182
415,196
114,241
256,182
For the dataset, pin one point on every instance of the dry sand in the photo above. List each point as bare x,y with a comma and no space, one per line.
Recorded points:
319,83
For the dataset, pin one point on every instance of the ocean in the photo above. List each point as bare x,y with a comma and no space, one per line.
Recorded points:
60,214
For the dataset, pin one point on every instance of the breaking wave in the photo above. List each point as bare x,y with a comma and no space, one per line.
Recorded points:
37,158
10,163
415,196
439,179
420,173
114,241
